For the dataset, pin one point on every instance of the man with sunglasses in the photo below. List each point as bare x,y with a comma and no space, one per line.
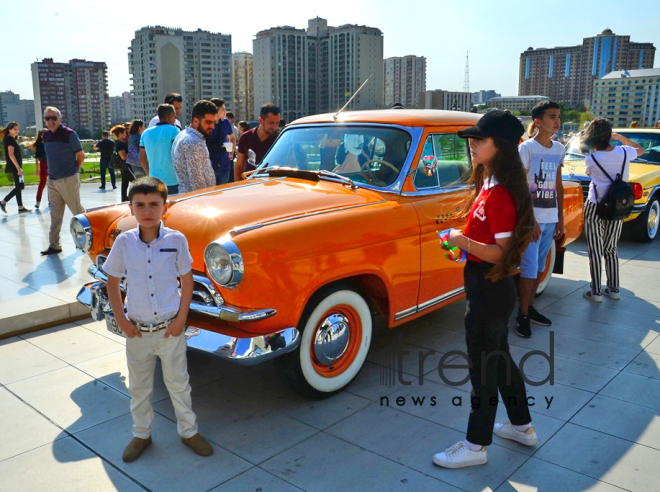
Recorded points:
65,157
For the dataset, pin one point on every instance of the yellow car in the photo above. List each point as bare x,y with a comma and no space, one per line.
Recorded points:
644,177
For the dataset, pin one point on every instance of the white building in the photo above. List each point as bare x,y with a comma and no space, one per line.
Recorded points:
523,104
316,70
448,100
626,96
196,64
403,80
243,85
13,108
120,108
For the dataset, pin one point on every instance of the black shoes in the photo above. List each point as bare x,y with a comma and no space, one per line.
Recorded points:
522,326
51,251
537,318
24,210
3,206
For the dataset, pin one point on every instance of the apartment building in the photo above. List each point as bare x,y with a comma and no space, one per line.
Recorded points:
625,96
243,85
403,79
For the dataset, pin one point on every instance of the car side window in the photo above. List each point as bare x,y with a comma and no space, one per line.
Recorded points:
451,158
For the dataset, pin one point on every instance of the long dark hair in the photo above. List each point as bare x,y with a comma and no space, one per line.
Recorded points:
5,131
507,169
135,127
38,140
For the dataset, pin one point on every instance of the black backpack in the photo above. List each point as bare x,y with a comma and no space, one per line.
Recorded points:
618,203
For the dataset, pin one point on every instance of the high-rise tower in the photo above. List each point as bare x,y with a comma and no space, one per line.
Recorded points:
466,79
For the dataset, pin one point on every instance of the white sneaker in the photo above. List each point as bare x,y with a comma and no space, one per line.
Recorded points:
506,431
592,297
460,456
612,294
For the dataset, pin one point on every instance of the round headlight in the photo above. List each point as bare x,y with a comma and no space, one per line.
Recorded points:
224,262
81,231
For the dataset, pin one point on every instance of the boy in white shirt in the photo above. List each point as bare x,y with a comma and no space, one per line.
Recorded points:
542,158
153,257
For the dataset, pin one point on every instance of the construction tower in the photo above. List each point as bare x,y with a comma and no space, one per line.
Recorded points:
466,80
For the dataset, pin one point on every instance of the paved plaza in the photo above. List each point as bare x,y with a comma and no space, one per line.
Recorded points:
65,403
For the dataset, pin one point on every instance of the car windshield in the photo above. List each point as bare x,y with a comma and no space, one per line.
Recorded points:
365,154
649,141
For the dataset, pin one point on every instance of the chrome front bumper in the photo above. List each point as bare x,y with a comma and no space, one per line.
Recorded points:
244,351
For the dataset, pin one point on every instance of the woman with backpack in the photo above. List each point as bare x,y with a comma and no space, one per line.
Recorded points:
603,165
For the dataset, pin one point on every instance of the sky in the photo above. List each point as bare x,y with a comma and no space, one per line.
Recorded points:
494,33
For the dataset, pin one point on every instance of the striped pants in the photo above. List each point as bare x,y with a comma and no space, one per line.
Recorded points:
602,238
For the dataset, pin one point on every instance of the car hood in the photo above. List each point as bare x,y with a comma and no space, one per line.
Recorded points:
576,168
211,213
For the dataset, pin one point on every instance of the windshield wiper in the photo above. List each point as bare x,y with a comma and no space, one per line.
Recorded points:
334,176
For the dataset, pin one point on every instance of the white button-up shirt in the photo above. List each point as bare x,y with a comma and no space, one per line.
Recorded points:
152,271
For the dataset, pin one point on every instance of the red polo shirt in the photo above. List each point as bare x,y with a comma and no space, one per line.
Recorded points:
493,215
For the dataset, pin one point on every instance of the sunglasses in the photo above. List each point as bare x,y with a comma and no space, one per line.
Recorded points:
50,118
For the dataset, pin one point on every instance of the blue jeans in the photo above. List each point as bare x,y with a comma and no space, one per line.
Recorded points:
534,257
105,166
173,190
221,176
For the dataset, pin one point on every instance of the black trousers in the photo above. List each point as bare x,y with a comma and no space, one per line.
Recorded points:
16,192
105,166
126,177
489,306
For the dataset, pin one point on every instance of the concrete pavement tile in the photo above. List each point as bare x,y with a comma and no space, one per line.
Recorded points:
276,396
71,399
654,346
49,281
600,332
559,287
63,466
21,360
412,442
632,388
640,425
580,349
540,476
440,339
249,429
72,343
569,372
564,401
256,479
21,428
394,354
603,457
23,313
100,328
646,364
167,464
545,428
373,382
11,289
300,466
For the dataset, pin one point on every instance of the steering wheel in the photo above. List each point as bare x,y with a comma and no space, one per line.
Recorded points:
365,170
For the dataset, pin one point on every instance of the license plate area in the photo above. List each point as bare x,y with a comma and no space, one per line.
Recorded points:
112,326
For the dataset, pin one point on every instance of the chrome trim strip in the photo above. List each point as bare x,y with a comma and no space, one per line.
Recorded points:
236,232
427,304
435,191
639,208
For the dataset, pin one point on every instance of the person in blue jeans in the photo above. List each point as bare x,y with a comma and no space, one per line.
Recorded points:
222,134
542,158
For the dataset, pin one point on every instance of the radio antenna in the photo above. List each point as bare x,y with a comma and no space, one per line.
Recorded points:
334,116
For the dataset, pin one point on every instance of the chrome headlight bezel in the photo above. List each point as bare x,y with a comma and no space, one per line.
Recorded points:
81,231
224,249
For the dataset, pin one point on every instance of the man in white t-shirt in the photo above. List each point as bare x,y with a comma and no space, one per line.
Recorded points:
175,100
542,158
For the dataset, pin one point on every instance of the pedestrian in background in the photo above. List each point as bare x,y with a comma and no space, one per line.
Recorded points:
41,168
190,155
121,149
175,100
603,235
133,156
222,134
156,149
65,157
258,140
499,228
106,147
232,120
243,126
14,166
542,157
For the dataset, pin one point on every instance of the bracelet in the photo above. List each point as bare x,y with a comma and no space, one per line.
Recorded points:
468,250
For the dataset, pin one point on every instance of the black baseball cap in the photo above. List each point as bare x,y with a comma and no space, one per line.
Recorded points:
498,124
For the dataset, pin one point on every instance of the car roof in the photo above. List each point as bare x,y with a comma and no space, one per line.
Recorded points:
403,117
636,130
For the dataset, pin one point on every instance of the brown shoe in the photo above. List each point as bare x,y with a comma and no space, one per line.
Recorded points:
198,444
135,448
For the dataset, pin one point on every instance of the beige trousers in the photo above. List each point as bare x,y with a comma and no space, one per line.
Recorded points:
61,192
141,356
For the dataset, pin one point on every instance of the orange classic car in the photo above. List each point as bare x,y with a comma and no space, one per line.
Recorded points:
337,225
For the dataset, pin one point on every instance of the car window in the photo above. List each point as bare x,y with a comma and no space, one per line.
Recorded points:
367,154
451,156
649,141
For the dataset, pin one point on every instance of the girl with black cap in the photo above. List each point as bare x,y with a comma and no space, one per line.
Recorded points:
499,227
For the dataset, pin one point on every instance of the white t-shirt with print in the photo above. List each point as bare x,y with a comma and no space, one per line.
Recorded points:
611,161
542,165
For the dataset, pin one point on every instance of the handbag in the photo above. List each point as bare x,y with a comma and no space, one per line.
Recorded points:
117,163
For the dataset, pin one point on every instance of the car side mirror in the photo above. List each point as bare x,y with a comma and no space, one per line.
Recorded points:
252,157
430,164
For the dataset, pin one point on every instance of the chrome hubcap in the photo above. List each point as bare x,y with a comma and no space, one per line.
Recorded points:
332,339
653,219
